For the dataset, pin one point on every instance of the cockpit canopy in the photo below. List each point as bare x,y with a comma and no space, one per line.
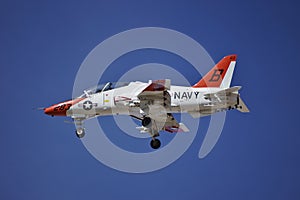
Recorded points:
102,87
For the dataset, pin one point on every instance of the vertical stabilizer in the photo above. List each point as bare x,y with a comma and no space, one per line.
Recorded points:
220,75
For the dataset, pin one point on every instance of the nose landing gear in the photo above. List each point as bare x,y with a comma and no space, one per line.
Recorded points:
80,132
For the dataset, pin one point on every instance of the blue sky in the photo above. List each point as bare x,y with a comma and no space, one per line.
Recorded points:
42,45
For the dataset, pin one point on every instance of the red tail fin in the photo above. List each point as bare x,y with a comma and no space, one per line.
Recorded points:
215,76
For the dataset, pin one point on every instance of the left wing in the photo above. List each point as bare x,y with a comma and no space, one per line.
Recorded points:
171,125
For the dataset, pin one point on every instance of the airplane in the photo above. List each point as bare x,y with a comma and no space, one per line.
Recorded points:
154,103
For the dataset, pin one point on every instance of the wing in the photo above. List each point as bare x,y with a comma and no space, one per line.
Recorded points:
155,99
171,125
143,94
155,102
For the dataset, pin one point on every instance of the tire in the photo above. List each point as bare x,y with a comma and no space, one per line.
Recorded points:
155,143
80,133
146,122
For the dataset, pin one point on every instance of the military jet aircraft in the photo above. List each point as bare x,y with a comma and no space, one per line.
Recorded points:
154,103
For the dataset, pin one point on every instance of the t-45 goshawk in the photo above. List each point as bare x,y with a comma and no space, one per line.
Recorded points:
154,102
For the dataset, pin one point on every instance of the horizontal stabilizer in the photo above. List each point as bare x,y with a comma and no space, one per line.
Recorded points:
224,92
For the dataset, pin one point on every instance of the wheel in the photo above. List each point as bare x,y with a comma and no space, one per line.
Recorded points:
80,132
146,122
155,144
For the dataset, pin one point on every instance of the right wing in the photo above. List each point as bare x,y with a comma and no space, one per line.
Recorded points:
155,98
154,102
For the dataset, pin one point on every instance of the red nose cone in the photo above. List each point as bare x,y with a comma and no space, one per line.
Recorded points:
56,110
48,111
61,108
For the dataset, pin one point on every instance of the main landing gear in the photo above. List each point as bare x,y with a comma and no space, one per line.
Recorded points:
147,122
154,143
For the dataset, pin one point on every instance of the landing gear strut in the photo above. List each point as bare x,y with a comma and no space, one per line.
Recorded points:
155,143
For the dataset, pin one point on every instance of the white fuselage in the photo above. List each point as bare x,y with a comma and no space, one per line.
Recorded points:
124,101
